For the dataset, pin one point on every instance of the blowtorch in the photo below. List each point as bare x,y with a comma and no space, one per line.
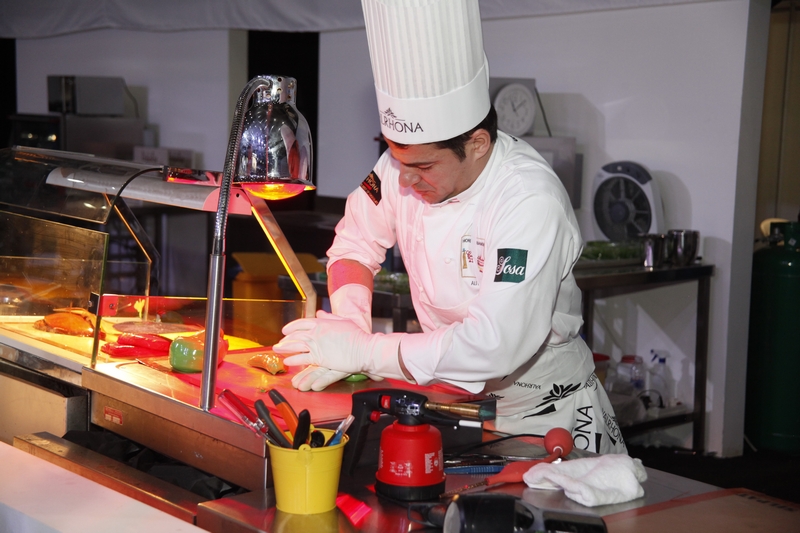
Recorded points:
410,460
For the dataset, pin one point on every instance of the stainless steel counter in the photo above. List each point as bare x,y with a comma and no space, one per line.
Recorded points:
255,512
39,388
159,409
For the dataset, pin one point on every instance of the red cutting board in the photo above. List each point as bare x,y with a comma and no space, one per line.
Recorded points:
331,405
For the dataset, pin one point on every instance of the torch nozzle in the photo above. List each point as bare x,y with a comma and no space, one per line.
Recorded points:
467,410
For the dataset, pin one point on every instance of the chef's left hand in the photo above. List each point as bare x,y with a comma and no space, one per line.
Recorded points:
316,378
338,344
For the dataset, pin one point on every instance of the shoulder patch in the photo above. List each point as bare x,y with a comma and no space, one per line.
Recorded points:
372,186
511,264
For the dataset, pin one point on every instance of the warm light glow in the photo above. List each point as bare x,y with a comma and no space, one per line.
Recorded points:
277,249
275,191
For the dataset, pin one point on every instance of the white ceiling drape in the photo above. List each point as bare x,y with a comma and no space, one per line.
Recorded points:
21,19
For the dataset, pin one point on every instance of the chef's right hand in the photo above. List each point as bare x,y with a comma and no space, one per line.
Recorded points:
337,345
317,378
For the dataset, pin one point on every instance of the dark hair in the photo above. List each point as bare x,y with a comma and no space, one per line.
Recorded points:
457,144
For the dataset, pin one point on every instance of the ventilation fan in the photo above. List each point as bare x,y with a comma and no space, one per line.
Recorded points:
626,201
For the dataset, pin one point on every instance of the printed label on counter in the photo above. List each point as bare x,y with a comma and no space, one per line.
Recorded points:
112,415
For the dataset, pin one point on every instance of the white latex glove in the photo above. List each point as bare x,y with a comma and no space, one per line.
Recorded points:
353,301
337,347
316,378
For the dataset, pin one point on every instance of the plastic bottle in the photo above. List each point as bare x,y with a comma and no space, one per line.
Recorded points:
630,376
661,380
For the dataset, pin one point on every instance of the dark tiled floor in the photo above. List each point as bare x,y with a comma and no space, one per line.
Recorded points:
772,473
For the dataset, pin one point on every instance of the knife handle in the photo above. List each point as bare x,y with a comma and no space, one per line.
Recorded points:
240,411
240,406
285,409
274,431
303,428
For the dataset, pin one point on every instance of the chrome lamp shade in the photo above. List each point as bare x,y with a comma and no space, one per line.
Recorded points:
275,149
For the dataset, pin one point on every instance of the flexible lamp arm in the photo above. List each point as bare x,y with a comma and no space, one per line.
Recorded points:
217,263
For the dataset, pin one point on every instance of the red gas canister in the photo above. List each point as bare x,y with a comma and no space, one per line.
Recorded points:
410,463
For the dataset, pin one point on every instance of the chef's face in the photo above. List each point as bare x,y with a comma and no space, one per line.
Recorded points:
436,174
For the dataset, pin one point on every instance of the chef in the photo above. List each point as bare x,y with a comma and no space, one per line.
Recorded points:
486,232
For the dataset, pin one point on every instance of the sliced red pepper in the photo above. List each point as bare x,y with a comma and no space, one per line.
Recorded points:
145,340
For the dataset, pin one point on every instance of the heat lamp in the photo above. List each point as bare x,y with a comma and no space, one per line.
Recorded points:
269,156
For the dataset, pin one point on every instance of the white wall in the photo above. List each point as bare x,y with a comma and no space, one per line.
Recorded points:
675,88
348,118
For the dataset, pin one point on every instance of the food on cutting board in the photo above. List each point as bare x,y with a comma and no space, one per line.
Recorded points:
68,321
186,353
132,345
269,362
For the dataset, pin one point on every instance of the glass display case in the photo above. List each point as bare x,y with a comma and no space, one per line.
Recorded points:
71,298
78,280
75,263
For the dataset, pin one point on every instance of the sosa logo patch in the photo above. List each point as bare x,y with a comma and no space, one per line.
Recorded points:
372,186
511,264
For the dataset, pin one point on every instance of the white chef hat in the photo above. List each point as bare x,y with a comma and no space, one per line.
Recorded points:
430,71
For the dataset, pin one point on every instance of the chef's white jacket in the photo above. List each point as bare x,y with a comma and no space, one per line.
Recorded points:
490,273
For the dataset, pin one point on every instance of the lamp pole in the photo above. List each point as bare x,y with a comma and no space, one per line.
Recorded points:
216,270
270,149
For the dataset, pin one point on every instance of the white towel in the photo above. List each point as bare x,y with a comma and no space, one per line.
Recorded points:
591,481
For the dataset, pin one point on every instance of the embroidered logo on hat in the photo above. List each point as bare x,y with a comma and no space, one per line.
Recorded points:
429,67
389,120
511,264
372,186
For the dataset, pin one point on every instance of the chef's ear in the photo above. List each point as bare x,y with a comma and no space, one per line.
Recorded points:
480,143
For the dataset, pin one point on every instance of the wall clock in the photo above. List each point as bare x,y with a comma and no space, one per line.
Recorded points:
516,108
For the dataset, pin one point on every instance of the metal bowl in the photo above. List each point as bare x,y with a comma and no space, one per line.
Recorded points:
684,243
656,250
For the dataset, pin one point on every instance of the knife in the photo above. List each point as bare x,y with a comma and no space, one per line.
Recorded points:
149,363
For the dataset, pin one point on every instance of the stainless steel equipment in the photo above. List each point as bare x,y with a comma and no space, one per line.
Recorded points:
655,250
683,246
